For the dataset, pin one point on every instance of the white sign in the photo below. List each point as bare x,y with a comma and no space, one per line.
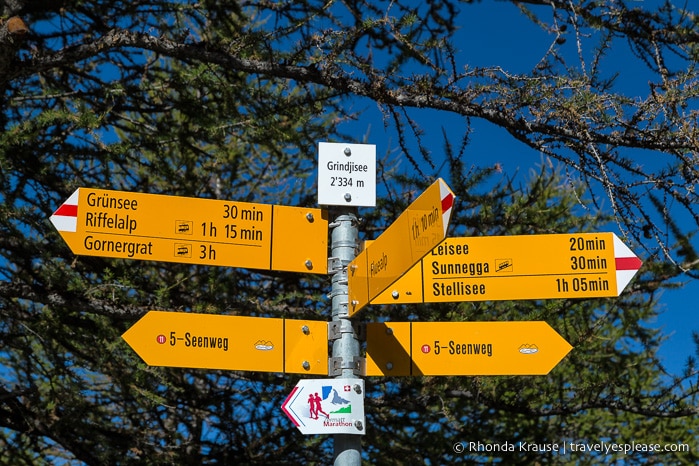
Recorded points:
347,174
327,406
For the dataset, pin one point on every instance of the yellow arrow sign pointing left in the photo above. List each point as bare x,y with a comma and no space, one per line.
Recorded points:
98,222
207,341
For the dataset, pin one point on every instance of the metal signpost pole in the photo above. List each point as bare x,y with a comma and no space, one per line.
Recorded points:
345,349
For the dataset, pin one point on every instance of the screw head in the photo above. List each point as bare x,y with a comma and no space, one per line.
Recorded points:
305,330
306,365
389,366
348,197
308,264
395,294
359,425
309,216
348,151
357,388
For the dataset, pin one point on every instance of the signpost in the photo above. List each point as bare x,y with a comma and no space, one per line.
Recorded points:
491,268
415,232
408,263
98,222
237,343
327,406
463,348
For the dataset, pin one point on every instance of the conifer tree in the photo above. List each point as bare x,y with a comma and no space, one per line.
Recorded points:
228,100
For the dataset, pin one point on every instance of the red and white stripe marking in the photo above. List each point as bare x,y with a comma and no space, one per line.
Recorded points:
627,264
65,218
286,407
447,197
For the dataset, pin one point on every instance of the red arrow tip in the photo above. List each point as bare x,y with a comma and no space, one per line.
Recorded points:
67,210
628,263
286,402
447,202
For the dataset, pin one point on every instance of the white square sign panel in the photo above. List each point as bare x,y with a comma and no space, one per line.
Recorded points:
327,406
347,174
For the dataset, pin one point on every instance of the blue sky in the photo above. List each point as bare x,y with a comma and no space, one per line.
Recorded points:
497,34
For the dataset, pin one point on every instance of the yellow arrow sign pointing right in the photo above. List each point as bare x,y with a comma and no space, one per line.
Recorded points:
463,348
415,232
494,268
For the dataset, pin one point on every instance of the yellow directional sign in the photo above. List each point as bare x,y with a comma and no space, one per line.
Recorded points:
415,232
207,341
463,348
98,222
491,268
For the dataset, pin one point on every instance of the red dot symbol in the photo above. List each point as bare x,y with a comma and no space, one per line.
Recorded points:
161,339
426,349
